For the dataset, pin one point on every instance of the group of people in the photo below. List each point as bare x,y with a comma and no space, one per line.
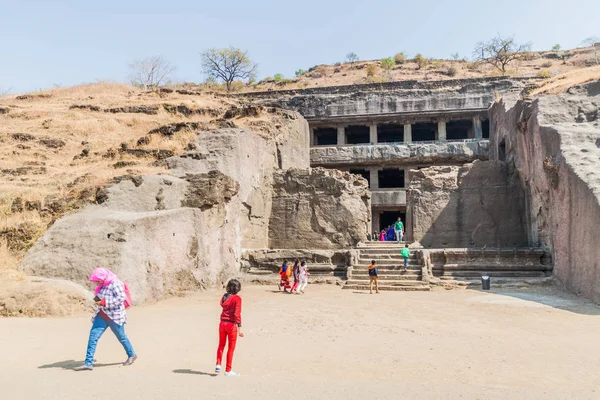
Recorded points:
392,232
112,298
300,273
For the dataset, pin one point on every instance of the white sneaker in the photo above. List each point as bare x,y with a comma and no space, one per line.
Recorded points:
218,369
231,373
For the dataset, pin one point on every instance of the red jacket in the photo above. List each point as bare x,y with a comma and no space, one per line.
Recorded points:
232,309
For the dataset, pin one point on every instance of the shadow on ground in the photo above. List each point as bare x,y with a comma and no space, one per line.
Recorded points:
191,372
551,296
70,364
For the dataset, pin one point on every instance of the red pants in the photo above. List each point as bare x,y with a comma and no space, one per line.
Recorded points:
296,284
227,330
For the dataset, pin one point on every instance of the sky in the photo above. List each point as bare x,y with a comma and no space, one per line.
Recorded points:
68,42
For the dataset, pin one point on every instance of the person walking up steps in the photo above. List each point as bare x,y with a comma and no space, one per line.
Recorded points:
405,253
112,297
399,230
231,325
373,277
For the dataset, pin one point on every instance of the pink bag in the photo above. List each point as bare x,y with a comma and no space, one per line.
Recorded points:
128,302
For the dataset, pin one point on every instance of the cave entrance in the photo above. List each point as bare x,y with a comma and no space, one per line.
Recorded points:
391,178
485,128
424,132
459,130
362,172
388,218
390,133
325,136
357,134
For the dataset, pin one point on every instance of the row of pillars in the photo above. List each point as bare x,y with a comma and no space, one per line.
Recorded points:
441,132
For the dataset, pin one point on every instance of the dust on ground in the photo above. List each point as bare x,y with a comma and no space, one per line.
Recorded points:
528,344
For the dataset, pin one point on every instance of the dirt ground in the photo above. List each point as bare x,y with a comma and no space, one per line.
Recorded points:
328,344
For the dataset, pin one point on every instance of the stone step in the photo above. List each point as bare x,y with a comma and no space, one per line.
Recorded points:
413,288
364,272
378,257
386,277
387,265
383,251
382,244
388,260
391,282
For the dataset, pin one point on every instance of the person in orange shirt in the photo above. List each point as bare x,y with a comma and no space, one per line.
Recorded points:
373,277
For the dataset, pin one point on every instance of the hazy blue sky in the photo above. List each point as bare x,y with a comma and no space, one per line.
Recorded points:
67,42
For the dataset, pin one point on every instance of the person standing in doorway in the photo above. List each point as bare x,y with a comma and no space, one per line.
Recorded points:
231,325
399,230
373,277
405,253
112,297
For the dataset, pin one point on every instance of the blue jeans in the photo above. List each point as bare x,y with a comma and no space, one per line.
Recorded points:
406,263
98,328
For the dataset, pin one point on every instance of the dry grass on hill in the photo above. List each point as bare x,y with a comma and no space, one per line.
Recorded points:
54,157
543,64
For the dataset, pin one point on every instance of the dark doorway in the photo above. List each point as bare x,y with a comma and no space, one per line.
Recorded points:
390,133
364,173
459,130
357,134
502,151
325,136
387,218
424,132
391,178
485,127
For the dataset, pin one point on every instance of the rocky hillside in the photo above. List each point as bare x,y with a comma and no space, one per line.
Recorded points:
60,147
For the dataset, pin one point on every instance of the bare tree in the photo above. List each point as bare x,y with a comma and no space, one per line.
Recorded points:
5,92
500,52
594,43
352,57
151,72
228,64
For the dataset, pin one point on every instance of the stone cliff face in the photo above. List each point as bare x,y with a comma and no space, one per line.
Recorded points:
393,97
319,209
554,143
476,205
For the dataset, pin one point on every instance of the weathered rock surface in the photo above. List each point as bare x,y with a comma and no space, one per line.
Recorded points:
162,236
250,160
319,208
398,153
477,205
553,143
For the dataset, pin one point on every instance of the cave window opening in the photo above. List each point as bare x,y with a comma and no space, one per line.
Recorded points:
391,178
325,136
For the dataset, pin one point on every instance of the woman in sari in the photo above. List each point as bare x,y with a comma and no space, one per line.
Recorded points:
112,297
284,273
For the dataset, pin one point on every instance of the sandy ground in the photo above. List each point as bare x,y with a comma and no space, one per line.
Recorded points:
327,344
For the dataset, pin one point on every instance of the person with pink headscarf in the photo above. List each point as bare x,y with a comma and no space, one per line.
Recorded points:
112,297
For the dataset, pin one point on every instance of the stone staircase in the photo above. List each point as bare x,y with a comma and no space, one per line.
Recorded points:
390,266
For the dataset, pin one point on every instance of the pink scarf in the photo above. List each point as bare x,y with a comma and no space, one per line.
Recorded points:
104,277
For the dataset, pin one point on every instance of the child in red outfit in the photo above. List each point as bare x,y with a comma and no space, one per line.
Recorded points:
230,326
